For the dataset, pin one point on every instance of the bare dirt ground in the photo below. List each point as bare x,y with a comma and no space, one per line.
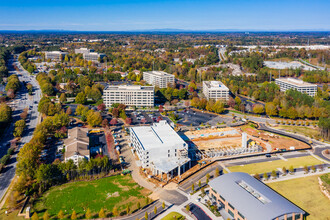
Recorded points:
274,140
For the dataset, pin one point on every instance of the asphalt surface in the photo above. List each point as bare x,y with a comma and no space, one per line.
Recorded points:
198,212
21,101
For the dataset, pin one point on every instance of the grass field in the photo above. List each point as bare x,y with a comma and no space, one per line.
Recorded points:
106,193
273,165
172,215
305,193
306,131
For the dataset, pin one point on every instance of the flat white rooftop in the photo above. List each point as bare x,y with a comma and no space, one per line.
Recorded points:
159,73
296,82
215,85
129,87
159,135
56,52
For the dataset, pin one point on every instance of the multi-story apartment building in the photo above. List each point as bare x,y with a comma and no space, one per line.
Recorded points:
160,149
297,84
55,55
133,95
83,50
158,78
215,90
246,198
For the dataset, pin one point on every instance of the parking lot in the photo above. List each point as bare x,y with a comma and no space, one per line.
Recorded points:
144,117
197,118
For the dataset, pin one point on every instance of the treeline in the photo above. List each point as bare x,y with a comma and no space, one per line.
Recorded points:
5,115
316,76
4,56
25,62
36,177
45,84
324,125
209,105
13,85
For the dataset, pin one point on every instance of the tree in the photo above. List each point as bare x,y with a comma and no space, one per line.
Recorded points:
258,109
146,216
219,107
217,172
257,176
207,178
199,184
68,111
138,205
81,98
94,118
284,171
101,107
271,109
5,113
115,211
291,169
88,214
127,209
155,210
74,215
105,123
63,98
60,215
238,100
128,121
113,122
35,216
265,176
306,169
163,205
102,213
46,216
188,208
313,168
193,187
274,174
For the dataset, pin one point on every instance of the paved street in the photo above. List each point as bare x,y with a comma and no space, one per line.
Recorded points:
21,101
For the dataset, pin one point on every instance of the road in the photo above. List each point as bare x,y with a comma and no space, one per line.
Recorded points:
21,101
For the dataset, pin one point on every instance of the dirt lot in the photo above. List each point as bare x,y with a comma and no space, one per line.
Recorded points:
274,140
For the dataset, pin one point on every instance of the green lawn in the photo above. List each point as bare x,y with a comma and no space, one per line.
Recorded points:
103,193
306,131
273,165
172,216
305,193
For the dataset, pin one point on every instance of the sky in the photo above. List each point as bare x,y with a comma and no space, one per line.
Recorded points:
130,15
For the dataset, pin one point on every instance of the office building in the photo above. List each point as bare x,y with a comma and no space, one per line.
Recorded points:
297,84
160,149
55,55
158,78
93,56
77,145
83,50
215,90
133,95
246,198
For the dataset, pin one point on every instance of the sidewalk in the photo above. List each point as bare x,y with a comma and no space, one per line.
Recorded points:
296,175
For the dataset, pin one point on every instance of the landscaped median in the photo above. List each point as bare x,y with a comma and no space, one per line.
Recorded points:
264,167
112,194
173,215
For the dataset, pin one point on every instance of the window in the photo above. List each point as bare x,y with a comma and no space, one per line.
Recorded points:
297,216
231,213
231,206
242,216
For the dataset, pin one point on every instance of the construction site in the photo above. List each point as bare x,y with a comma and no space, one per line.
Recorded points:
218,142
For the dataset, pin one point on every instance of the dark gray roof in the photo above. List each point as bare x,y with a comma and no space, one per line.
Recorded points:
252,198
